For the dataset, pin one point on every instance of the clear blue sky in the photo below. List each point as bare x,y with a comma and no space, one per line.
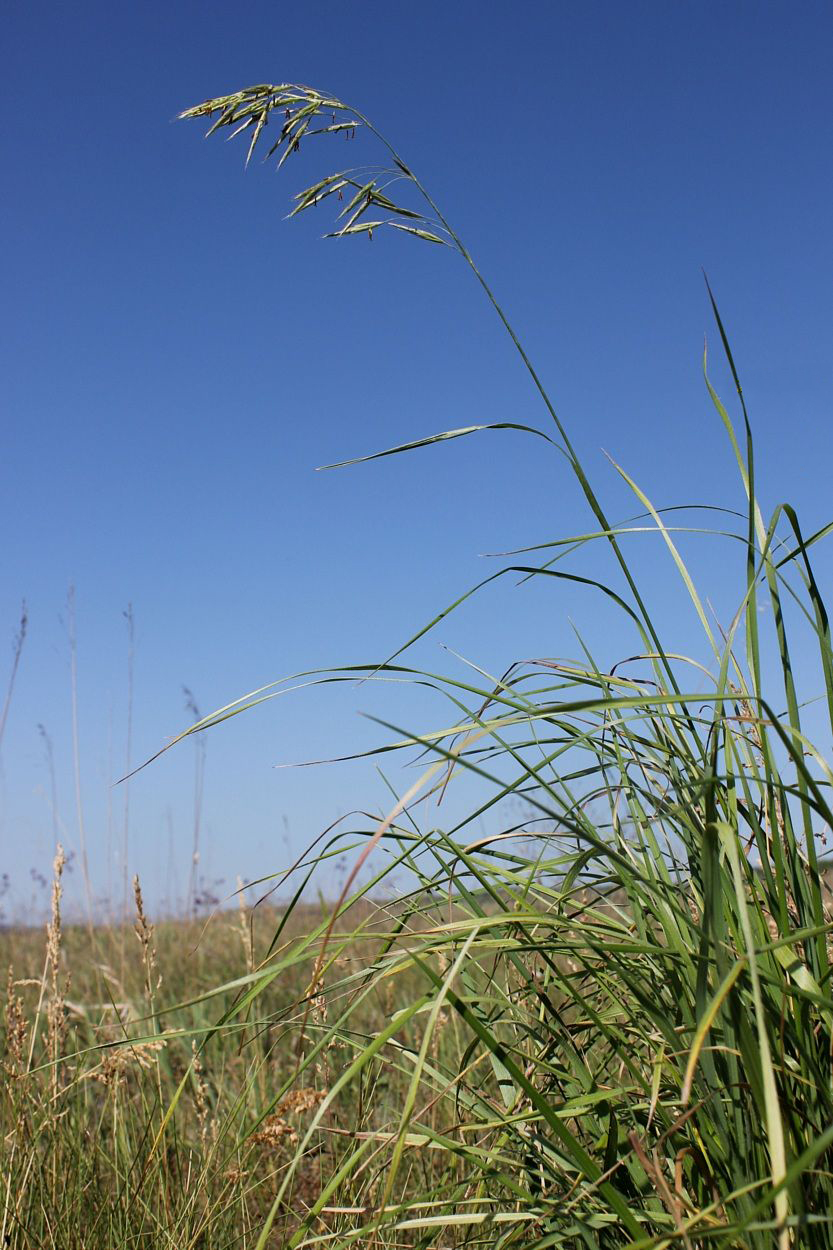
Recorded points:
177,359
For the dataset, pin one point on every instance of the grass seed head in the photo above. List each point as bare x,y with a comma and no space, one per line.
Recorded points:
16,1028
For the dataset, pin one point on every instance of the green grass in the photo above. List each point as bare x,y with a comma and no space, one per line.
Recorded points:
609,1027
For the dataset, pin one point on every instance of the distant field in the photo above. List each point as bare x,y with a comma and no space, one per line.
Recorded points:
151,1130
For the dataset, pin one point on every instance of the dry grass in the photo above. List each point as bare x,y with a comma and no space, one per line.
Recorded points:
127,1119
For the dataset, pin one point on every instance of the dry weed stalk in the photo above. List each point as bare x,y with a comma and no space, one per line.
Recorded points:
201,1098
14,1064
14,1018
17,649
246,931
56,1014
144,932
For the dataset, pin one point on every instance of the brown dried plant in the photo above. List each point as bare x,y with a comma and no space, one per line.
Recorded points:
144,932
57,984
16,1026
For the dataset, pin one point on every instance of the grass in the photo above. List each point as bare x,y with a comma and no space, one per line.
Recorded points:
92,1065
609,1026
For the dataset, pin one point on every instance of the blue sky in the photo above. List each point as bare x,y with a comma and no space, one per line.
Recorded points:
177,359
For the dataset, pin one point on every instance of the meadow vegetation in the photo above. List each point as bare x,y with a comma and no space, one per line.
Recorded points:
607,1025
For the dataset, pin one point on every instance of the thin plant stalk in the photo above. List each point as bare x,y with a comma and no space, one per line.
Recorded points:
17,651
76,753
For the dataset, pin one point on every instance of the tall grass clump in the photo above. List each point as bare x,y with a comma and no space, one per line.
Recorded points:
609,1025
619,1032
